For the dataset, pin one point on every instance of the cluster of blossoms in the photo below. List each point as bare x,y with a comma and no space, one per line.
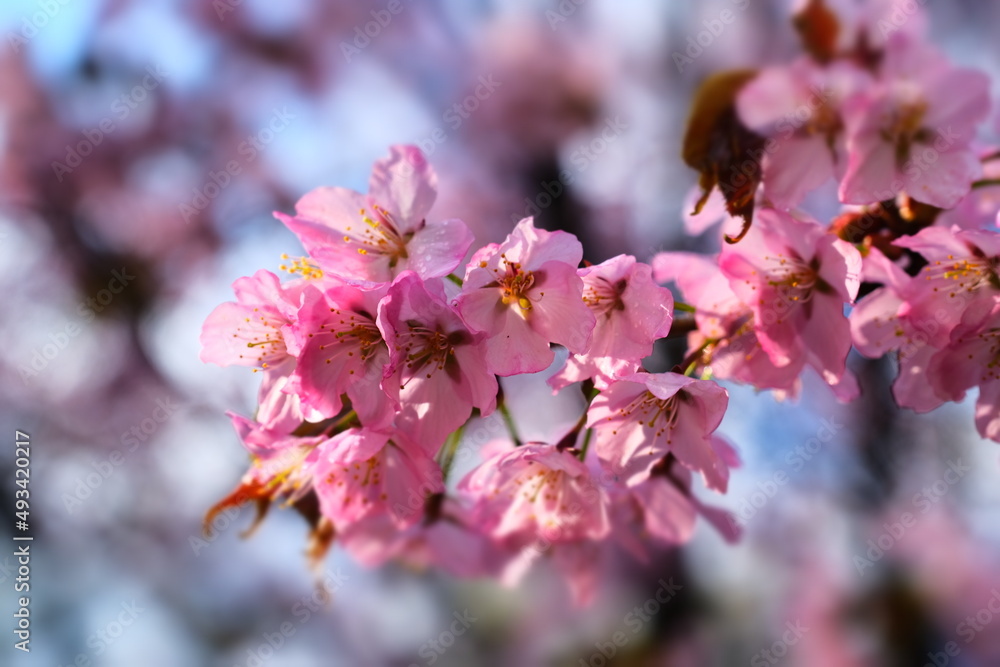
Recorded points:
387,341
875,109
376,355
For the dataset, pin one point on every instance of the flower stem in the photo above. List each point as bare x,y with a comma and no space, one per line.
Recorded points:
508,421
449,450
343,421
690,362
984,183
455,279
684,307
586,444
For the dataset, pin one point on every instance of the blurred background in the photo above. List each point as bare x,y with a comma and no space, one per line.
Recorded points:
143,147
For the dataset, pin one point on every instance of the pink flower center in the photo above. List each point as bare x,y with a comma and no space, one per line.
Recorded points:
825,121
302,266
541,487
353,329
904,127
654,412
964,275
991,337
428,350
602,296
378,235
793,279
364,474
265,339
515,285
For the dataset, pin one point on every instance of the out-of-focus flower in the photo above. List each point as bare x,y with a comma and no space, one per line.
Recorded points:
362,473
913,130
643,417
796,278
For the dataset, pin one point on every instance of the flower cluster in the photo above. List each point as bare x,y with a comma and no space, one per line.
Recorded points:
875,108
376,354
389,339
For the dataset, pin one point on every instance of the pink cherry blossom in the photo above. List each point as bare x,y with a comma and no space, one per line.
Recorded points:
631,312
796,278
377,236
972,359
537,492
913,130
437,365
282,463
342,352
669,509
525,294
641,418
362,473
797,107
725,324
962,268
256,331
252,331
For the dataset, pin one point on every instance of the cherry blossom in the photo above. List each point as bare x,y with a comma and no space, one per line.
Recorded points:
362,473
641,418
796,279
799,109
342,352
377,236
972,359
961,271
725,331
913,130
537,492
437,365
631,312
252,330
524,294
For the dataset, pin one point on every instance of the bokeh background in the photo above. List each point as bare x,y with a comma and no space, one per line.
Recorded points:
144,104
